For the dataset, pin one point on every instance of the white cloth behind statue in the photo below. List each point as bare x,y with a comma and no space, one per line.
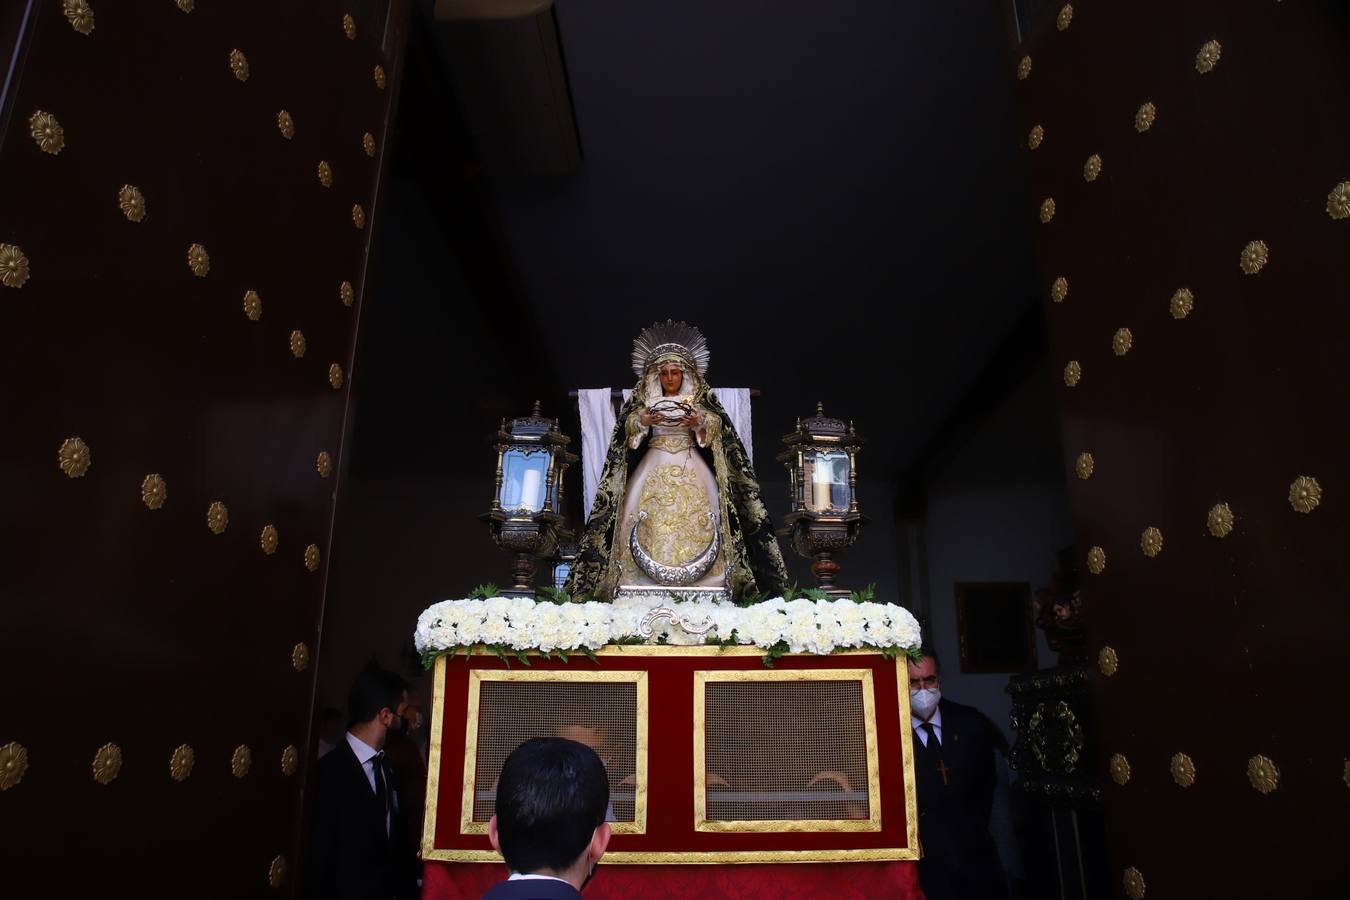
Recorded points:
597,427
597,424
736,401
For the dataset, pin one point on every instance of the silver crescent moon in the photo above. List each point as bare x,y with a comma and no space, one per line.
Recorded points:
676,576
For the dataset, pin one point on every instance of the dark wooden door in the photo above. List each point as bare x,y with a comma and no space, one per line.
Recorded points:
1190,189
187,192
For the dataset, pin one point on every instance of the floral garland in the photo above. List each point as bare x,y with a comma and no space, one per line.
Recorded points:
511,626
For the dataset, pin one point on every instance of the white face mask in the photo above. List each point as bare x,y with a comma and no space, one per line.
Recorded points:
923,702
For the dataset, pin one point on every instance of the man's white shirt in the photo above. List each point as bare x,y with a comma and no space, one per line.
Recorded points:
936,722
365,755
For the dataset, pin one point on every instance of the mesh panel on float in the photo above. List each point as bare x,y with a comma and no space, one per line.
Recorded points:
790,748
601,714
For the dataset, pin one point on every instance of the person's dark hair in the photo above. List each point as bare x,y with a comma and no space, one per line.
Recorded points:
926,650
373,690
328,714
551,796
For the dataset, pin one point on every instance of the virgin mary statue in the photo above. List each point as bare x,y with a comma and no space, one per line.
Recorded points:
678,507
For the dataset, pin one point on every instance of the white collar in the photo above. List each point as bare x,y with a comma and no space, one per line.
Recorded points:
936,721
364,752
520,876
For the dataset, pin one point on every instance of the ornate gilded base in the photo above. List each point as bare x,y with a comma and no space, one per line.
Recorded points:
655,595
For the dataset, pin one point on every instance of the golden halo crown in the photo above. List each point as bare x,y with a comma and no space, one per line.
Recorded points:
670,338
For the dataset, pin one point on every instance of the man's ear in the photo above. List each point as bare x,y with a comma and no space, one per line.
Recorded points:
492,834
599,841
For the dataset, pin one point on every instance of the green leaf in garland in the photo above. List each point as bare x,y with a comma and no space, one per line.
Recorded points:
815,594
866,595
485,591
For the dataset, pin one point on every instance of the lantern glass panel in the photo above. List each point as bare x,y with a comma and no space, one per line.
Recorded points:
826,472
560,573
523,478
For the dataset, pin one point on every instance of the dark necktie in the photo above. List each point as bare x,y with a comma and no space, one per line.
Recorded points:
381,791
933,740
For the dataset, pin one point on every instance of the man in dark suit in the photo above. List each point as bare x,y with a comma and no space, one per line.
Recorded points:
550,820
358,850
954,760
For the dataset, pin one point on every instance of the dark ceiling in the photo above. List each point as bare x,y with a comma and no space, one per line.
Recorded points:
832,193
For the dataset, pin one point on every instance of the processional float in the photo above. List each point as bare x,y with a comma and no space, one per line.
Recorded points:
741,721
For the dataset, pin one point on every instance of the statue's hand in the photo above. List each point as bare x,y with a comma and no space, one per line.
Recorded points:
645,418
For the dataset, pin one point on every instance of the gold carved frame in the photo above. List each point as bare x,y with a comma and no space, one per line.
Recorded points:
909,852
861,676
467,825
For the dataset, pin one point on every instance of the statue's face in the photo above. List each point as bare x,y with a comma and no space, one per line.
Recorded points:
672,377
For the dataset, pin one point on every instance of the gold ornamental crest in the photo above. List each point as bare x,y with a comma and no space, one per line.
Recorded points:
1092,168
1073,373
300,657
1096,560
276,872
1183,301
1151,541
1208,57
1083,466
217,517
379,76
154,491
1338,201
1047,211
290,759
1065,17
13,266
349,27
1183,770
199,261
269,539
47,132
335,376
74,457
1122,341
324,464
239,64
312,558
1059,289
1107,661
181,762
252,305
1035,136
13,763
132,203
1220,520
1024,68
346,294
241,761
107,763
285,124
298,344
1263,774
78,13
1119,767
1145,116
1305,494
1133,881
1254,257
325,173
358,216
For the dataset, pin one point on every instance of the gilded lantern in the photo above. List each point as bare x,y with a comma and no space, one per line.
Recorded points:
527,518
823,519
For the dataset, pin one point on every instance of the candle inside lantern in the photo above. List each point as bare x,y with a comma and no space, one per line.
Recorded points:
820,484
532,490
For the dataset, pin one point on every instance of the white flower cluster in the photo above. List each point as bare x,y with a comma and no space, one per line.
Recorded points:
807,626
